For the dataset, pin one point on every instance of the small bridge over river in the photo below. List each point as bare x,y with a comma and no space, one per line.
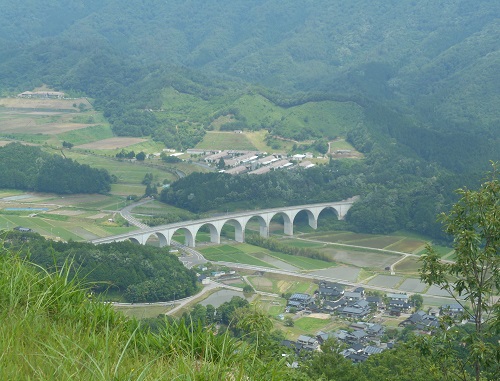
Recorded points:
164,233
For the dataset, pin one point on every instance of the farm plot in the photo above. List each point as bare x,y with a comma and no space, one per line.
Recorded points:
125,171
302,243
44,104
435,290
408,265
407,245
111,143
230,254
380,242
342,272
365,259
303,262
276,262
412,285
22,124
262,284
388,281
338,237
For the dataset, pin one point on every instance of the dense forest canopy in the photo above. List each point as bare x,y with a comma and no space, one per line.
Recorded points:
29,168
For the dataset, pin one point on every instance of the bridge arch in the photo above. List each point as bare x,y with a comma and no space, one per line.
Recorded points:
288,217
311,218
239,233
213,230
163,241
189,236
133,240
263,225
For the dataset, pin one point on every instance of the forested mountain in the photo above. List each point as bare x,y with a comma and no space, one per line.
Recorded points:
408,50
435,62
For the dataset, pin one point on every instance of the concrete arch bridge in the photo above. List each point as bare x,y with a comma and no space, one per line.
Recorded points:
239,220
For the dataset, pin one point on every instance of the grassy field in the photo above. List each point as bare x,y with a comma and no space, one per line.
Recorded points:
227,253
303,262
226,140
126,172
142,312
87,135
266,256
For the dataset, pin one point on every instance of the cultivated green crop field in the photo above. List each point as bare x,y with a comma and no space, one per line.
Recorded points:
226,253
260,254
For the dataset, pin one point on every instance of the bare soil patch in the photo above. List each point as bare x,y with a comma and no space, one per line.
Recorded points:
320,316
112,143
98,215
48,123
49,104
67,212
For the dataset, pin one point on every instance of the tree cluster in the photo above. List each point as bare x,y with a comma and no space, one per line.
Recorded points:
29,168
140,273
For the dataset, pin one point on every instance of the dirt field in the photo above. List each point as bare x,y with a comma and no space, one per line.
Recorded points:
67,212
320,316
112,143
49,104
48,123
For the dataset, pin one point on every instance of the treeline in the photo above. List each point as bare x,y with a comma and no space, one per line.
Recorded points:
139,273
275,245
395,192
29,168
200,192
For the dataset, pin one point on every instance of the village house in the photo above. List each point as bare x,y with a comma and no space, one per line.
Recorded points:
453,310
353,295
330,291
308,342
421,320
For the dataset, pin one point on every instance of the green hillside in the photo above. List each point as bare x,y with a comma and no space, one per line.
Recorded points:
415,52
435,62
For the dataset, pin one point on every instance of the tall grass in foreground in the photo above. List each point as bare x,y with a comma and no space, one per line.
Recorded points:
52,329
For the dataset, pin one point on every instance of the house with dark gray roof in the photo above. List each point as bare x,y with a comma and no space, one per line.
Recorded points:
330,290
451,309
308,342
300,301
421,320
371,350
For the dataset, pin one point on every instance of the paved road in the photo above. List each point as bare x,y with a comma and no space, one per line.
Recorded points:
125,213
